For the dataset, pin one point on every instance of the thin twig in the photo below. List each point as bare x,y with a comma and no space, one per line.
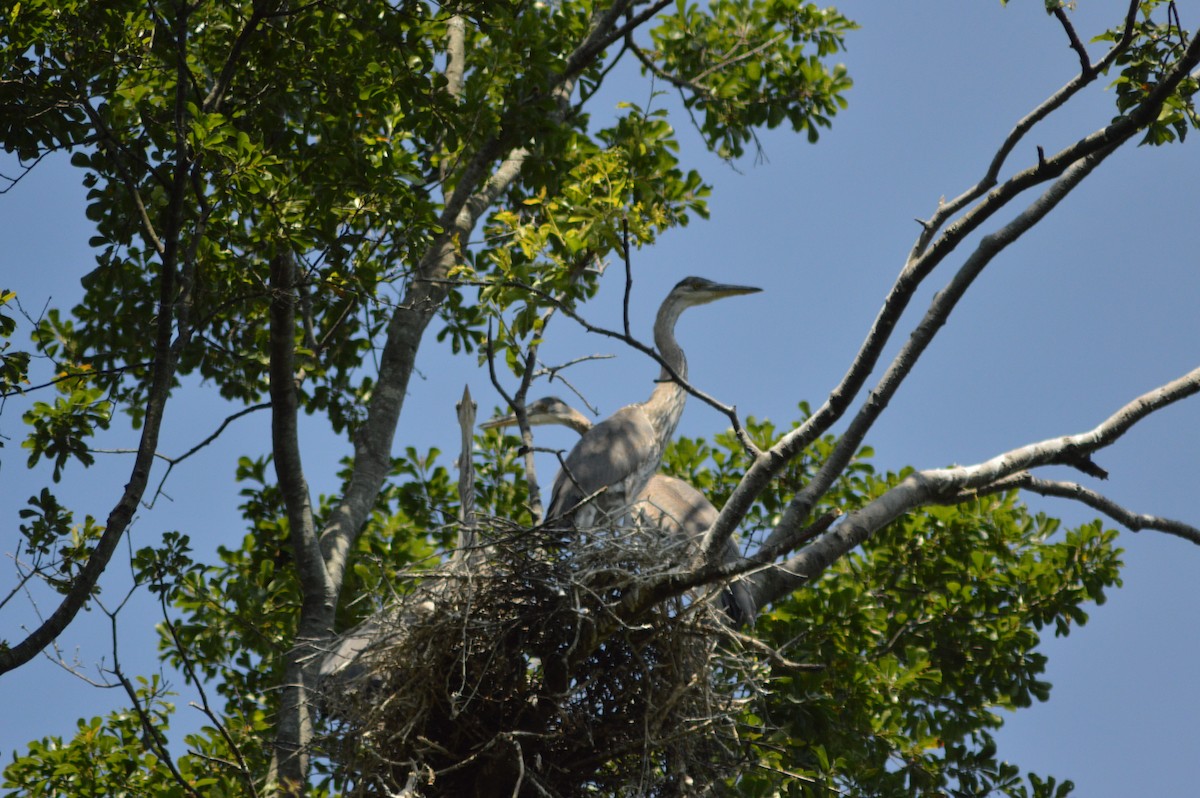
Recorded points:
153,737
1135,522
1085,61
628,275
728,411
190,673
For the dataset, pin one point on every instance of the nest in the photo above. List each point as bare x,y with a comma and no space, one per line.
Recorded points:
511,671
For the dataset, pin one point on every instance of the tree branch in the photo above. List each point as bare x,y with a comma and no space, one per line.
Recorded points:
153,738
216,97
462,210
189,670
174,461
943,485
289,764
456,55
372,446
162,377
1063,166
1135,522
939,311
517,404
1024,125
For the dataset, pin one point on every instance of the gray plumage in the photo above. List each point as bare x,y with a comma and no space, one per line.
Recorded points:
664,502
615,459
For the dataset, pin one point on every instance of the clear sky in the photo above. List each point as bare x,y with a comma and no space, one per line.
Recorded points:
1094,307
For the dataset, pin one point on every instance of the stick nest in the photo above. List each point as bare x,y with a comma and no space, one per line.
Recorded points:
513,671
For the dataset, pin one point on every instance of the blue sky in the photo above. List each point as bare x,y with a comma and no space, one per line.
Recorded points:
1092,308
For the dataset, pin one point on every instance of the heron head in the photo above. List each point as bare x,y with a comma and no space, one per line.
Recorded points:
691,291
547,410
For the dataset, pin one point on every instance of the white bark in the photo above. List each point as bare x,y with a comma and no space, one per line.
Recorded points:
937,486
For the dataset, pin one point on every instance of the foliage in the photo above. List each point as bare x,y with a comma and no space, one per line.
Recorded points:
906,649
1142,68
710,46
110,756
218,140
14,366
53,546
905,653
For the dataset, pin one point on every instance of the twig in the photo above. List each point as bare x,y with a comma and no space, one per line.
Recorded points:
553,373
1134,522
729,411
172,462
628,275
76,375
1085,61
1048,106
517,404
168,325
190,673
152,736
465,409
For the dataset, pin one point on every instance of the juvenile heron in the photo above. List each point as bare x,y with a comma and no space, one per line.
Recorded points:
615,459
667,503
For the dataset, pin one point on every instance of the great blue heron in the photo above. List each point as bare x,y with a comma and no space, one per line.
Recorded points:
665,502
615,459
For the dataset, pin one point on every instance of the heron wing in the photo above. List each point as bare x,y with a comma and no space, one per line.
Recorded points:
674,505
608,454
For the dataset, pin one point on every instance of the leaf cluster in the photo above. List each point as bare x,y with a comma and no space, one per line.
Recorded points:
907,651
1157,45
107,756
53,546
717,53
919,639
14,366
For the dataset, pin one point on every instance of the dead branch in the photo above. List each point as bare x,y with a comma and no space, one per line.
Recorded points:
941,485
1135,522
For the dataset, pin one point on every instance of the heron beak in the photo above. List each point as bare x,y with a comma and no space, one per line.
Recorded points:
500,421
726,289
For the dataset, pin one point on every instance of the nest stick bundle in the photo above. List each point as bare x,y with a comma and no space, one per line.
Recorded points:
512,671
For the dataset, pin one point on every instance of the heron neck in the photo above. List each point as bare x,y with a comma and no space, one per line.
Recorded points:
664,339
580,424
665,405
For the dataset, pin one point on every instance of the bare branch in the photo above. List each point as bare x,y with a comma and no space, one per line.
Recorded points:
1048,106
1066,168
517,403
939,311
190,672
1085,61
1135,522
152,736
628,275
942,485
552,373
174,461
456,55
944,302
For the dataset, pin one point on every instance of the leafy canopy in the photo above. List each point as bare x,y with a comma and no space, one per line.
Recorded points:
216,138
